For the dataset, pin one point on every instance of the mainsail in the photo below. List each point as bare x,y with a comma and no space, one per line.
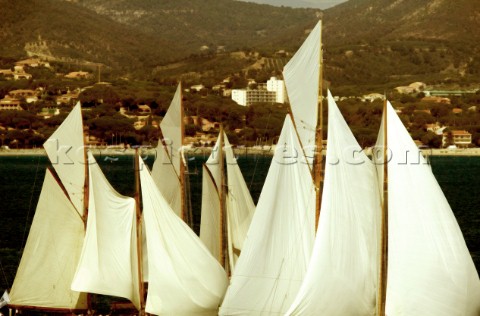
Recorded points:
302,75
430,271
239,205
66,150
55,239
341,276
210,226
167,170
184,278
108,264
279,242
51,254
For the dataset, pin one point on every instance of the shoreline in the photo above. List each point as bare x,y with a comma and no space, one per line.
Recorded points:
117,151
266,150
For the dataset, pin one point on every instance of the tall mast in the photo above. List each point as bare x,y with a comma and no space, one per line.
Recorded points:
183,214
318,160
221,192
139,233
85,189
383,253
290,112
86,183
86,195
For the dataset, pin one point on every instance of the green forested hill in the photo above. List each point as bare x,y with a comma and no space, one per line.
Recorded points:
196,23
139,35
377,20
67,31
392,42
373,44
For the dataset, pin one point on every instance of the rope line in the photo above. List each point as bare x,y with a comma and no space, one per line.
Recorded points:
256,158
30,206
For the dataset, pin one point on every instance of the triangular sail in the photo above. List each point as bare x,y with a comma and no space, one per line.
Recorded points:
213,161
66,151
430,271
344,256
184,278
108,264
210,225
51,253
5,299
166,179
210,218
301,75
171,127
166,169
279,242
240,206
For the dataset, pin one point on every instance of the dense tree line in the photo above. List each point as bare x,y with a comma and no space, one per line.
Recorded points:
244,125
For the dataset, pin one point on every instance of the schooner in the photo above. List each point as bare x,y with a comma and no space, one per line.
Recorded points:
120,248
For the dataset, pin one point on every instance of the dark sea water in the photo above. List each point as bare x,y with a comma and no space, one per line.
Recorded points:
21,179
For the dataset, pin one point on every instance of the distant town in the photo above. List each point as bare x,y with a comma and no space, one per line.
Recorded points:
35,97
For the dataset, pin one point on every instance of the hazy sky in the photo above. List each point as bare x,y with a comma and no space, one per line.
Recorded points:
322,4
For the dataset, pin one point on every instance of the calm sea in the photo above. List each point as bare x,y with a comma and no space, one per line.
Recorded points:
21,179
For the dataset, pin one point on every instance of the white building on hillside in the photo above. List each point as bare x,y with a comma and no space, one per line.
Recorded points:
247,97
459,138
271,92
240,96
277,86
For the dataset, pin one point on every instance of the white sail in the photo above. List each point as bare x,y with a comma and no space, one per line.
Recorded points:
430,271
301,75
276,252
108,264
65,149
343,263
213,161
166,168
51,254
210,218
167,179
171,127
240,206
210,214
184,278
5,299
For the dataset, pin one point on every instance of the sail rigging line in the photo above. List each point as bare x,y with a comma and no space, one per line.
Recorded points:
210,175
61,186
186,205
86,195
290,250
383,258
4,275
85,187
290,112
139,232
256,158
182,161
188,199
164,147
223,227
29,207
318,160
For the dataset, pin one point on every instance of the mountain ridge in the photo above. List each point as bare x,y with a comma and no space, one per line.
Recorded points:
402,19
365,41
137,35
